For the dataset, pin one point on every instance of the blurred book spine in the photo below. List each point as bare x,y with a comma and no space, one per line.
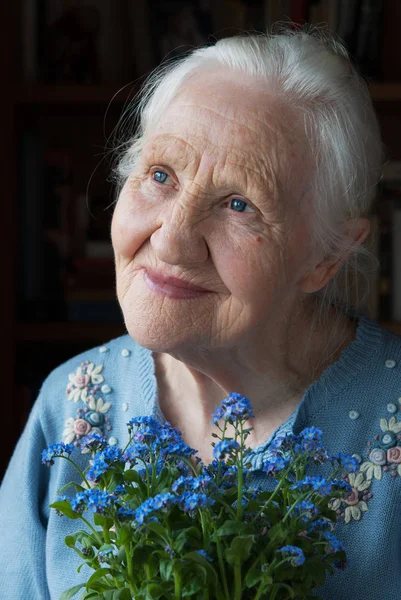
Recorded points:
396,255
91,294
390,59
323,12
369,38
30,210
390,242
359,24
69,42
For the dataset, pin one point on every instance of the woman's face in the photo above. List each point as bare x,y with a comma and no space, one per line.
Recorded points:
215,201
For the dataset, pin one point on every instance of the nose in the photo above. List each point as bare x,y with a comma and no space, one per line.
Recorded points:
179,239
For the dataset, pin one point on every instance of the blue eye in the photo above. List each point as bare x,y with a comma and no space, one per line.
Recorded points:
160,176
240,205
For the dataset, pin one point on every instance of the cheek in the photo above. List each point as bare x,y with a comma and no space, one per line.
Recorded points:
244,265
130,225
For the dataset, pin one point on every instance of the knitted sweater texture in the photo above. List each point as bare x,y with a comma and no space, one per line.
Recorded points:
356,402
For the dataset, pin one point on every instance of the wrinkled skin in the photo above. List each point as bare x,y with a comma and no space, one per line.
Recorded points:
223,138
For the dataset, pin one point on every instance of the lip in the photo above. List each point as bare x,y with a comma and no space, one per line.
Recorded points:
173,286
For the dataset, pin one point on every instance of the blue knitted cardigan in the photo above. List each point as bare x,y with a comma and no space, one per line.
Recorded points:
356,402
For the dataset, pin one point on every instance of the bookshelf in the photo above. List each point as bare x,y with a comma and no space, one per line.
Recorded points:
35,346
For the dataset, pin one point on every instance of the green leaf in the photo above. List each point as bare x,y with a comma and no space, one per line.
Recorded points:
277,535
240,549
122,594
132,475
99,520
166,566
90,596
192,587
198,558
64,507
231,527
124,536
69,540
141,554
73,484
288,588
97,575
154,591
186,535
157,528
254,576
71,592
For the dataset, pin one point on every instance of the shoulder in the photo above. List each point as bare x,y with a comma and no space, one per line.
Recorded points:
88,392
387,350
91,362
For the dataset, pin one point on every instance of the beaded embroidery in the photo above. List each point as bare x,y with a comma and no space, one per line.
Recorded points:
352,507
84,388
385,453
384,456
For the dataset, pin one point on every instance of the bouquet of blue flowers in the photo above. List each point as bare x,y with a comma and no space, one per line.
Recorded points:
160,524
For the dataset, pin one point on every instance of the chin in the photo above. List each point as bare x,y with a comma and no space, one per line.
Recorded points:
164,324
159,339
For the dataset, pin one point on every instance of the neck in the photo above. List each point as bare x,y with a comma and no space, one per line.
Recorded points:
272,372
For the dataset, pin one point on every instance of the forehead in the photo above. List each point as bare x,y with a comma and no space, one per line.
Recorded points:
230,119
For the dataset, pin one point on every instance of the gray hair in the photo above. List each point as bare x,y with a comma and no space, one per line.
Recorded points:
310,70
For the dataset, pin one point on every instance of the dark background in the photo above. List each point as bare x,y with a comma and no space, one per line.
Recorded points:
69,69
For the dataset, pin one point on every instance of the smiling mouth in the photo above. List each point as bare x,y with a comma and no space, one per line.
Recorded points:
173,286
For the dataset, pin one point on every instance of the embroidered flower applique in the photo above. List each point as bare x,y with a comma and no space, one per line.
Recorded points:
85,381
352,507
385,453
83,387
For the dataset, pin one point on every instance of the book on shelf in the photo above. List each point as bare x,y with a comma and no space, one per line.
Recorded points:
30,250
88,304
73,42
396,262
92,272
323,12
359,24
44,196
390,57
389,210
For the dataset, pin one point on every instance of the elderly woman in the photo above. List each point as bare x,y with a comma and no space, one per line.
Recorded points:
245,196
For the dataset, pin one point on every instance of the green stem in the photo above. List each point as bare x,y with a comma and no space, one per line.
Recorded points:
127,444
106,535
223,431
77,468
268,501
177,584
204,528
274,593
237,581
292,465
260,591
95,533
129,569
301,499
222,569
240,476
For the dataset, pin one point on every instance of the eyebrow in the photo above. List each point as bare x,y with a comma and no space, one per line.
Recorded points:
162,146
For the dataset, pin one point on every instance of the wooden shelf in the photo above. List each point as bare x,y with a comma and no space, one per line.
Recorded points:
382,91
73,94
68,332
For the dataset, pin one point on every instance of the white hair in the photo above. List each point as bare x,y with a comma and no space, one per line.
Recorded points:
309,69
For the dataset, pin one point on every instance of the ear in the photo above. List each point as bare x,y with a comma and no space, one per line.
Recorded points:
356,231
